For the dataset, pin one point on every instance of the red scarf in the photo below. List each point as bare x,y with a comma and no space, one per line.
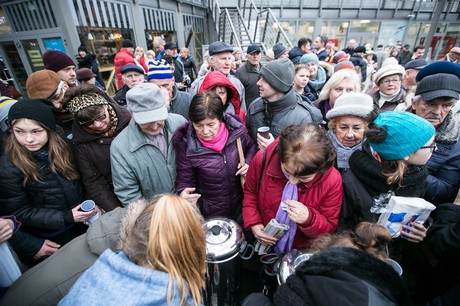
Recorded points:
218,142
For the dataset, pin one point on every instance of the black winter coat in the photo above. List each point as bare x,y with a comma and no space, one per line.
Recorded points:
364,181
210,172
92,154
342,276
43,207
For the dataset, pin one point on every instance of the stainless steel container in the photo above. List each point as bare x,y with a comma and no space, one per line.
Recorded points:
224,243
288,263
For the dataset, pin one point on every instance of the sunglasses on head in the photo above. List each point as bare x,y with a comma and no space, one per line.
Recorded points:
58,91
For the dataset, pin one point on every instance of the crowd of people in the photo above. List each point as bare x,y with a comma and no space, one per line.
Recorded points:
312,139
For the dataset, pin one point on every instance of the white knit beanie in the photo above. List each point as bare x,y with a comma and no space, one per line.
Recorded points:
352,104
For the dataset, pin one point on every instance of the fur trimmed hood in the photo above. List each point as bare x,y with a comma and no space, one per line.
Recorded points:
343,276
133,211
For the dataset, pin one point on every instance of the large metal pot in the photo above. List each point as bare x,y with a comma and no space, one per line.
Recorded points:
224,243
288,263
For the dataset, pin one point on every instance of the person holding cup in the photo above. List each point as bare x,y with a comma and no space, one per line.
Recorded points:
278,105
40,182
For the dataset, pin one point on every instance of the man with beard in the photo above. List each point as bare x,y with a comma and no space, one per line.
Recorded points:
62,64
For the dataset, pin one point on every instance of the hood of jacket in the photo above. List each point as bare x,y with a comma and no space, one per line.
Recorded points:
104,233
333,265
216,78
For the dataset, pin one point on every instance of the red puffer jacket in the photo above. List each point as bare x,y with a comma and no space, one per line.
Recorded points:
323,197
123,57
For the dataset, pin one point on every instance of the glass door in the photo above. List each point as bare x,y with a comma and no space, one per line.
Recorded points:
13,70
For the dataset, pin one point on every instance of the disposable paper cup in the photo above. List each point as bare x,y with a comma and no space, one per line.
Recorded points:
264,131
395,265
89,205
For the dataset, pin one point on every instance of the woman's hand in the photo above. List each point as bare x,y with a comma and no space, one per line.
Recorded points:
259,234
82,216
297,212
188,195
99,210
6,229
263,142
242,170
416,232
48,248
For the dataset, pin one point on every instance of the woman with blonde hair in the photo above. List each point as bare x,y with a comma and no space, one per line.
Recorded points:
341,82
39,180
141,59
161,262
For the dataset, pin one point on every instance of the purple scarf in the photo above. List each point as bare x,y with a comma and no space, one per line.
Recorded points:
284,245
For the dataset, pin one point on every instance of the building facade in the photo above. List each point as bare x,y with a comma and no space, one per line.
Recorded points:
29,28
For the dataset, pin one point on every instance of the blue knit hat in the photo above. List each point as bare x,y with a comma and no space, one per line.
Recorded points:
406,133
159,70
309,57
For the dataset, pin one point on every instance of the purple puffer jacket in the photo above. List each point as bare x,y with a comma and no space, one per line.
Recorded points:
210,172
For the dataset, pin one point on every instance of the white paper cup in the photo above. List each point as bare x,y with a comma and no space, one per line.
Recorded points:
264,131
89,205
395,265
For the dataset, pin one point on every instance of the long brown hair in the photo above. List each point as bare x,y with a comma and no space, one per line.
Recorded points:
168,236
60,157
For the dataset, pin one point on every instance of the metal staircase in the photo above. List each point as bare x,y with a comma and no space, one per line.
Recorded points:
245,24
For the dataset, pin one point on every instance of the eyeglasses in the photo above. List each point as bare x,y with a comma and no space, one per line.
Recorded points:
432,147
100,117
394,81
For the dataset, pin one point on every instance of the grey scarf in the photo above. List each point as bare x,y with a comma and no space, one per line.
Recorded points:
343,152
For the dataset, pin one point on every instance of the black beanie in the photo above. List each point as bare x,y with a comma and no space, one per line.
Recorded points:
127,44
36,109
82,48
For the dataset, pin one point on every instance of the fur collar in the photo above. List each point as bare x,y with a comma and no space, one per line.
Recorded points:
360,264
448,131
133,211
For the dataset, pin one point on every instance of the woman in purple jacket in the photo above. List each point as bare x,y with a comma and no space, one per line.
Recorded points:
207,157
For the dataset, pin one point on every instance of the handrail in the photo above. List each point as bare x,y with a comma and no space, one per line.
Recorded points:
269,34
280,29
233,33
246,30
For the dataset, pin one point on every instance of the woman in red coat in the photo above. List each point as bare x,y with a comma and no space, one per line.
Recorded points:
299,187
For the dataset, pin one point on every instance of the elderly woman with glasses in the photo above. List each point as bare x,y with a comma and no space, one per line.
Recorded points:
390,94
98,119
